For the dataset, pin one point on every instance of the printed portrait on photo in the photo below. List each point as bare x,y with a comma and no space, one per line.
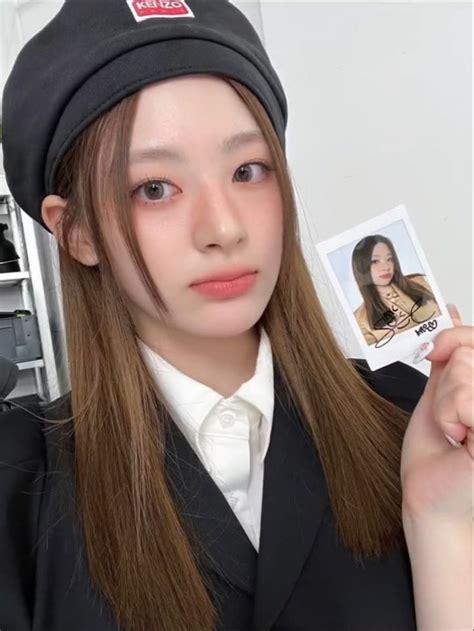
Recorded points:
391,299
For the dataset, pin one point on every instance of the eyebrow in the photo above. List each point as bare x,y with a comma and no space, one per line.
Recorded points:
168,153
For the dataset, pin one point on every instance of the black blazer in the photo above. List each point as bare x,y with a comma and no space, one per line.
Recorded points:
301,580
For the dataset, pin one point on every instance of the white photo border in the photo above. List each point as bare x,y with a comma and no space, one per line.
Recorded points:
405,343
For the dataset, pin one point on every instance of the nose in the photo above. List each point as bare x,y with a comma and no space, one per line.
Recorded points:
219,218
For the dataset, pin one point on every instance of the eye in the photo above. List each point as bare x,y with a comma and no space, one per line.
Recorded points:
245,168
153,190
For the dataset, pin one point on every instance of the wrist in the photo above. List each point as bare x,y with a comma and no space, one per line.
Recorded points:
437,536
414,522
443,582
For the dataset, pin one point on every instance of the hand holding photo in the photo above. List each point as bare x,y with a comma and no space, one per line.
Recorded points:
383,281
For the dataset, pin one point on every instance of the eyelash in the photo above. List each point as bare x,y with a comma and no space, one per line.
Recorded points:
141,183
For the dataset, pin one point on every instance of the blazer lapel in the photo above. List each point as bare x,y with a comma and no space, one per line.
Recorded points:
204,508
294,500
230,553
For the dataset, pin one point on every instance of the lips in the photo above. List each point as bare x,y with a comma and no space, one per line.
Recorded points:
385,276
224,274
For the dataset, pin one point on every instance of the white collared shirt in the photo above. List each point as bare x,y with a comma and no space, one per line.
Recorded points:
229,435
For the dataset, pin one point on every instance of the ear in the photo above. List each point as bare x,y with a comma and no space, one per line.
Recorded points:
80,245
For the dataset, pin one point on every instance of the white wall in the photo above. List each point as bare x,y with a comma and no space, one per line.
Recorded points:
380,106
380,102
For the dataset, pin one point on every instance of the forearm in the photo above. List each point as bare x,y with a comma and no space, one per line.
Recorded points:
441,558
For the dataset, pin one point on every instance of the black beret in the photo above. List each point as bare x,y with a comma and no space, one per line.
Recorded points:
94,53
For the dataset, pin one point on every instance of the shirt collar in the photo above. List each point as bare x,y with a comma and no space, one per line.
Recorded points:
190,401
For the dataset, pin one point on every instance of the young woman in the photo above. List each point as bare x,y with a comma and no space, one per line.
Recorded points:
217,464
392,301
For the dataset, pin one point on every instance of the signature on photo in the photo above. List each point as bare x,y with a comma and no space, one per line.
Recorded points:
389,322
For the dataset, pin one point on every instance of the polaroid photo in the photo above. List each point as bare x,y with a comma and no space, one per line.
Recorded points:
386,288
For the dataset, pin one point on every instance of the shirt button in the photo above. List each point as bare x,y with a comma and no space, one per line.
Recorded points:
227,419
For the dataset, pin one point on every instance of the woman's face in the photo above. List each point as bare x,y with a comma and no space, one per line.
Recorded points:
209,206
381,266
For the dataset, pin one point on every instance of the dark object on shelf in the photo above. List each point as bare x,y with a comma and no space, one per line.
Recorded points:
8,380
8,255
19,336
8,376
24,401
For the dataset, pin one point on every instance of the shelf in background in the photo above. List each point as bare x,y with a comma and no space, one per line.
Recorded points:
4,190
49,379
32,363
9,279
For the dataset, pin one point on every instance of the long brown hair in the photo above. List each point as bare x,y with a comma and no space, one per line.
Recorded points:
138,551
377,312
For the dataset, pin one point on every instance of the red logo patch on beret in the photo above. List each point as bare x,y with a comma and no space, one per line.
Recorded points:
145,9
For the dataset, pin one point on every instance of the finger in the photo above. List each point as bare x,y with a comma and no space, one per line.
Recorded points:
450,339
453,413
453,399
455,315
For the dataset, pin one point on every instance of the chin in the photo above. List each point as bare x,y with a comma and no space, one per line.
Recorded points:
383,283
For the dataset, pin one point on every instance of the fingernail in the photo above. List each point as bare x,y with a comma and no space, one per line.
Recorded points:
453,442
422,351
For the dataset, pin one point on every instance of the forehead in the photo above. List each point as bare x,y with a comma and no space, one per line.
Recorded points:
381,249
188,110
